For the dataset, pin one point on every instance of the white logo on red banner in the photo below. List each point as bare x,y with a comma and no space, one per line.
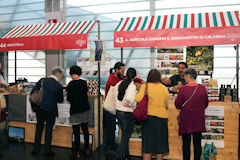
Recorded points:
3,45
80,42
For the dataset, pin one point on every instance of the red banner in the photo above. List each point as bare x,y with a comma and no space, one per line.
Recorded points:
55,42
206,36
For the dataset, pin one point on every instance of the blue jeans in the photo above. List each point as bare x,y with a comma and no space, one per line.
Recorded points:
109,126
126,124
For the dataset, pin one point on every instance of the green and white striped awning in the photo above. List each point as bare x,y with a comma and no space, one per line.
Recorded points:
195,20
65,28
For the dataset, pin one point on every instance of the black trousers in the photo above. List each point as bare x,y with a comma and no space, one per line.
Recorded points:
42,117
76,132
109,126
197,137
126,124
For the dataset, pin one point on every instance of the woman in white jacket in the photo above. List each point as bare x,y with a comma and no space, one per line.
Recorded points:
125,105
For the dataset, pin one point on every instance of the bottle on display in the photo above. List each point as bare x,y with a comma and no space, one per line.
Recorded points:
234,94
229,90
221,93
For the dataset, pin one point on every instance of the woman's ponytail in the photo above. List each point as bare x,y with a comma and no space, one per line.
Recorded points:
131,73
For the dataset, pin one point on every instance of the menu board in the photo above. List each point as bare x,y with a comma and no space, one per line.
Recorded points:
215,126
168,59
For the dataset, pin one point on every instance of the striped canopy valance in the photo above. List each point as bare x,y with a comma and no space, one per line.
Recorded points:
196,20
178,30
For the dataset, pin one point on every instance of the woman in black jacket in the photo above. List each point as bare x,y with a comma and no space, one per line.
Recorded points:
80,109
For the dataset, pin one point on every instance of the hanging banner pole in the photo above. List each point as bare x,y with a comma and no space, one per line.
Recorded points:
237,70
99,94
15,66
122,55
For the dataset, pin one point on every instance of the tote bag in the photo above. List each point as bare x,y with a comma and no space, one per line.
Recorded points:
110,101
140,113
209,152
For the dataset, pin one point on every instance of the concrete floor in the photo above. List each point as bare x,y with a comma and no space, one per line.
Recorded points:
22,151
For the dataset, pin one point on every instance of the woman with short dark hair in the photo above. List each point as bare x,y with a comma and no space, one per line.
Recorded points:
77,95
155,127
192,100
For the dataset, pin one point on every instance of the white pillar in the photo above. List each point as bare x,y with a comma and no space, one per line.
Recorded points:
55,11
152,49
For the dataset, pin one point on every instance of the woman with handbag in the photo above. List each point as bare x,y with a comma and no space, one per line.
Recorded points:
77,95
47,110
125,104
155,127
192,100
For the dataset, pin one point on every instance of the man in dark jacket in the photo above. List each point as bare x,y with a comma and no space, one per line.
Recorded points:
47,111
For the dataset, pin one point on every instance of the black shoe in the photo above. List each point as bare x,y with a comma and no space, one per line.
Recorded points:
49,154
114,146
128,157
33,153
110,153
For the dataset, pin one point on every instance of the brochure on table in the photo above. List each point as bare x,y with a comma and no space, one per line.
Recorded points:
215,126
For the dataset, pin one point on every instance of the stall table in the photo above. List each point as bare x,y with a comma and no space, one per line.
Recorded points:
231,128
62,135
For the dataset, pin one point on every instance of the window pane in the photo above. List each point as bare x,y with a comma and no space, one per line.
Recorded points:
30,65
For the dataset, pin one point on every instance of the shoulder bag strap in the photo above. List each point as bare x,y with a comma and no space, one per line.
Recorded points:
190,96
42,82
146,90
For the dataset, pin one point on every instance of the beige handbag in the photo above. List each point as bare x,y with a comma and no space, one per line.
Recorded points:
110,101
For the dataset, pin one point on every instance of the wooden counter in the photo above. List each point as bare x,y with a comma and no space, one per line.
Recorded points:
62,135
231,131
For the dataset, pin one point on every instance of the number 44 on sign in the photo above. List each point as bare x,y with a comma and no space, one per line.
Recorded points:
119,40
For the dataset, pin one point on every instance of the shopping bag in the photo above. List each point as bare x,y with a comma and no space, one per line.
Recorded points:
209,152
110,101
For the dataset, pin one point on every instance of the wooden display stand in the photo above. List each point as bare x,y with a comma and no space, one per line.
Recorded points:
62,135
231,121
